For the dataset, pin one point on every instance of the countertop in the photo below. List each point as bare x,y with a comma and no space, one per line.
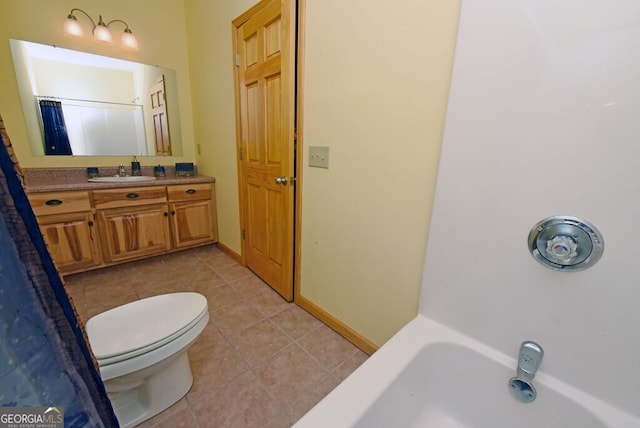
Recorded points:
38,180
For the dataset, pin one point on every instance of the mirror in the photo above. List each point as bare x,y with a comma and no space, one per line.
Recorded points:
83,104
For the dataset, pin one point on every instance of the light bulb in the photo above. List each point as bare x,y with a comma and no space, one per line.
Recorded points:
72,27
102,34
129,41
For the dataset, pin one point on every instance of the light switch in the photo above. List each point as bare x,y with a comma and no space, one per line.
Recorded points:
319,156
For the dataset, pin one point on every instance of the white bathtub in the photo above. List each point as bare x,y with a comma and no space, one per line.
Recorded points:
428,375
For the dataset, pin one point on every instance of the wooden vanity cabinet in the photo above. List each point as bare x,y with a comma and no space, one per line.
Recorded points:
133,222
67,223
192,214
89,229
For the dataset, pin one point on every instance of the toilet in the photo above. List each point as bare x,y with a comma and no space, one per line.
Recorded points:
141,349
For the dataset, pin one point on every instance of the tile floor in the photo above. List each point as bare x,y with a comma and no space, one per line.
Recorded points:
261,362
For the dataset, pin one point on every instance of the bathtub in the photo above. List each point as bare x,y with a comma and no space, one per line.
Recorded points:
429,375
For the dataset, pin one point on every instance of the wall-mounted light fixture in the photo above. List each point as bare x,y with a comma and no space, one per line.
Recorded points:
100,30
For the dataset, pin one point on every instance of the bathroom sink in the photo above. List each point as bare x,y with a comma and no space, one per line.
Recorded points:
118,179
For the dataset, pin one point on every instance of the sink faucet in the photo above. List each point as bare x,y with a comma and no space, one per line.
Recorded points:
121,171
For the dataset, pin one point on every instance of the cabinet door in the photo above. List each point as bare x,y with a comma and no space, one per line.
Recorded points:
192,223
133,232
72,240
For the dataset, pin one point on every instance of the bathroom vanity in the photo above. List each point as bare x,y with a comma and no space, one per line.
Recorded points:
92,225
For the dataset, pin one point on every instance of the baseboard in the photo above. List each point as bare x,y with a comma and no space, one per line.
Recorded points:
229,252
344,330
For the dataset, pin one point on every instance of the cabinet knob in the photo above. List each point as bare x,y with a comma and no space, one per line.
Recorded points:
190,191
53,202
132,195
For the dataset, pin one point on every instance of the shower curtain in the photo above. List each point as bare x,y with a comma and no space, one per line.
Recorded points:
44,357
56,139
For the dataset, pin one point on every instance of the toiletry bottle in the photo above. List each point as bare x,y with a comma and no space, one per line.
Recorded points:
135,167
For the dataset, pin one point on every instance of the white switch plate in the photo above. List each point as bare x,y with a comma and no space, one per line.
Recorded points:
319,156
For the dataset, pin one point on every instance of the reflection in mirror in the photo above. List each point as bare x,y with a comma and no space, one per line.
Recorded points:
89,105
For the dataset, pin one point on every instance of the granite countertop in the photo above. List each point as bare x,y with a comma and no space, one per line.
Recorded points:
40,180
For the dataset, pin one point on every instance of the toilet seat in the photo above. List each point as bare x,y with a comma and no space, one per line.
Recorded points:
144,325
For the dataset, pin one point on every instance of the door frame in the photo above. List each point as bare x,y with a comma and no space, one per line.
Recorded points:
300,15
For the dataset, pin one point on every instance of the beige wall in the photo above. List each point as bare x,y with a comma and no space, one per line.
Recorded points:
375,89
377,76
210,54
162,42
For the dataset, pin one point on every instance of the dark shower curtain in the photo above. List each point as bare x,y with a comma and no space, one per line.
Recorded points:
44,357
56,139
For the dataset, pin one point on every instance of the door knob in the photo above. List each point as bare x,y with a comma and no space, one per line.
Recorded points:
281,180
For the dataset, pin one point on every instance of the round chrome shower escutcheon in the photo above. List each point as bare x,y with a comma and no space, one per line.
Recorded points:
565,243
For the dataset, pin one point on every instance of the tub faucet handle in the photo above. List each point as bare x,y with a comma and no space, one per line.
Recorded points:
529,359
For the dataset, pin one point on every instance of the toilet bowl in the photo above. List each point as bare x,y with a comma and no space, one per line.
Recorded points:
141,349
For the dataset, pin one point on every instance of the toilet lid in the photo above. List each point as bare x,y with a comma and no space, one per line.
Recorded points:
144,325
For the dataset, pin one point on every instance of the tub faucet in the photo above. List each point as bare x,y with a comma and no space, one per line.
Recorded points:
121,171
529,360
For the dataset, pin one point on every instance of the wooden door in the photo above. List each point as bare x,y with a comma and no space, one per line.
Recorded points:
264,41
160,117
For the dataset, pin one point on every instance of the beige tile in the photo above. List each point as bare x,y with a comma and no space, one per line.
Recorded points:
242,403
232,272
347,367
95,293
106,276
217,260
212,366
295,321
249,285
249,324
281,421
327,346
151,274
182,259
310,398
289,373
218,293
97,306
269,302
258,342
201,279
209,336
235,318
168,285
178,415
222,296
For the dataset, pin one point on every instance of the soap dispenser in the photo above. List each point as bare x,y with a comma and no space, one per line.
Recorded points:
135,167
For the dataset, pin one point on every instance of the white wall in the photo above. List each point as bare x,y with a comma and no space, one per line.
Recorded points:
543,120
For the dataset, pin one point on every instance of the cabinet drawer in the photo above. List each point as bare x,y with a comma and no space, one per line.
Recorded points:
189,192
128,197
59,202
